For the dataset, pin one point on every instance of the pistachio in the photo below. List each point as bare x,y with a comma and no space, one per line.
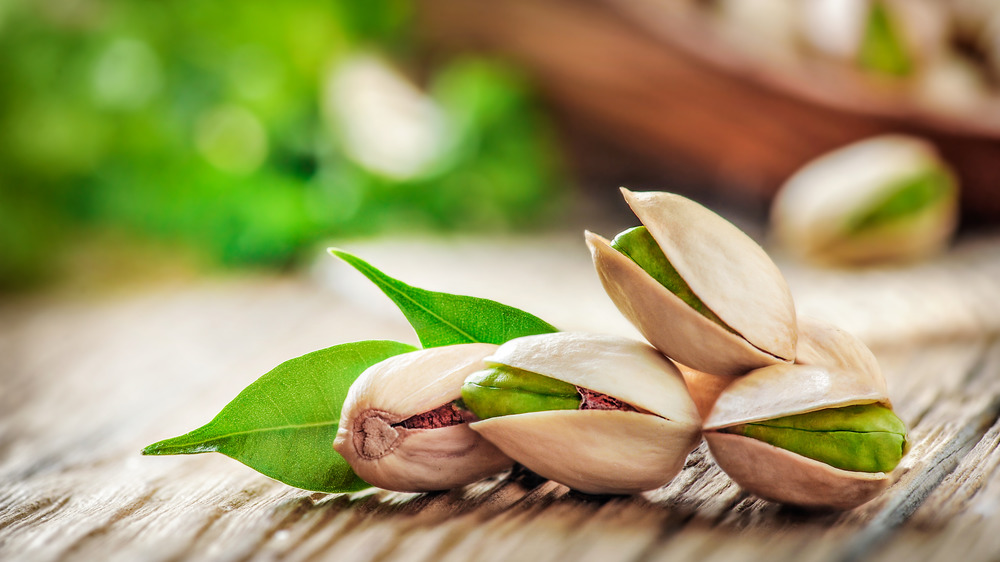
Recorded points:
632,428
400,428
638,244
866,438
697,288
888,198
504,391
892,38
810,435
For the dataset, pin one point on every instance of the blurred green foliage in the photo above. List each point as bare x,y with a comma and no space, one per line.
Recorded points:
203,123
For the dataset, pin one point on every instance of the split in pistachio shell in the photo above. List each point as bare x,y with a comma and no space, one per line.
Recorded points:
704,388
634,426
724,307
807,435
888,198
401,430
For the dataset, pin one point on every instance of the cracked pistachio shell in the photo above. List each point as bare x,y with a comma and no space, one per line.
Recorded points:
777,474
393,457
889,198
729,272
599,451
824,344
819,343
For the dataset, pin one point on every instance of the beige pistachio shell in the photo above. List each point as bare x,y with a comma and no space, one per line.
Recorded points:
415,460
824,344
599,451
811,211
779,475
819,343
595,451
728,271
785,390
626,369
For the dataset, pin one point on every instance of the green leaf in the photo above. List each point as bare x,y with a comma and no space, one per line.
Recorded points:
445,319
283,424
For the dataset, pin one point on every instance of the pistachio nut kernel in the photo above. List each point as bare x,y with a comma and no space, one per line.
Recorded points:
696,287
889,198
638,244
864,438
504,391
890,38
809,435
400,428
631,429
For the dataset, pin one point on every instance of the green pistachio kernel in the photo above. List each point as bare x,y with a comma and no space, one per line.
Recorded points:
638,244
504,391
882,48
907,198
865,438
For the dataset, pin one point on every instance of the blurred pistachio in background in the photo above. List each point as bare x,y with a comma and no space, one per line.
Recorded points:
248,131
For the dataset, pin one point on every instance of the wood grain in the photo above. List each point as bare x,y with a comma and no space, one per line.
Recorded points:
86,382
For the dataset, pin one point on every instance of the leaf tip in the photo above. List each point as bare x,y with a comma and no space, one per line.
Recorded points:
154,449
179,446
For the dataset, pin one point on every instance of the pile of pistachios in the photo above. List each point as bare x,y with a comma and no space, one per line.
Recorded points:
941,55
793,409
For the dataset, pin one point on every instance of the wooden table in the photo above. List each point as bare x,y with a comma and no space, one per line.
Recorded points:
85,382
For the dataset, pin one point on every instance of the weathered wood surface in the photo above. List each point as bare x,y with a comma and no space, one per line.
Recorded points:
86,382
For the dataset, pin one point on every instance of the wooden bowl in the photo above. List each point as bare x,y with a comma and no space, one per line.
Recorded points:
658,88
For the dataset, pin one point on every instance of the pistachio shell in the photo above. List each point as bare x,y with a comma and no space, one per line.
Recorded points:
414,460
599,451
821,343
626,369
779,475
812,213
595,451
784,390
667,322
728,272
